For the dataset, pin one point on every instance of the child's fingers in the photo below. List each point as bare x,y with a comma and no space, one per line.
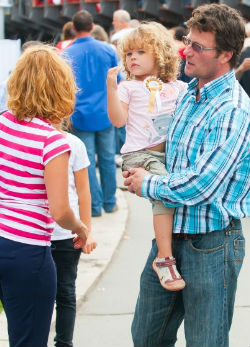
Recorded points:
114,71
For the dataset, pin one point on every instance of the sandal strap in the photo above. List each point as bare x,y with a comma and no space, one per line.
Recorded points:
168,262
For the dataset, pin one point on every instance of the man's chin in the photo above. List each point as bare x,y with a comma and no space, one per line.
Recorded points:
189,73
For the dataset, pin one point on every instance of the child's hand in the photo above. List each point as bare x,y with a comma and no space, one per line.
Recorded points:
112,77
82,235
79,242
90,245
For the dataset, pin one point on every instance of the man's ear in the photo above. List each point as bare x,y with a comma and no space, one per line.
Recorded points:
226,56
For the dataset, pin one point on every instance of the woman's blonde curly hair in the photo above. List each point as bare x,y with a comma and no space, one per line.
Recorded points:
42,84
153,37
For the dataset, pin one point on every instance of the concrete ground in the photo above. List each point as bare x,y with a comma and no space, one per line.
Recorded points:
111,232
107,230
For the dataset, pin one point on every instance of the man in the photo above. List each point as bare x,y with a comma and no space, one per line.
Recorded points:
91,60
242,73
3,90
247,38
121,24
208,160
3,96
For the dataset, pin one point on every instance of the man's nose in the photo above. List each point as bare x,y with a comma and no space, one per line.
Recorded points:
187,50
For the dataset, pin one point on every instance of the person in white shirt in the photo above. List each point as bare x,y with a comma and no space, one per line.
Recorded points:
66,257
121,24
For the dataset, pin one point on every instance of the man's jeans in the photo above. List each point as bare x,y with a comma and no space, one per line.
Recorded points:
210,265
66,259
101,143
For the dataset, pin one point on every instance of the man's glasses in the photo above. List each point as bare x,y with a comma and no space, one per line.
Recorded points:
195,46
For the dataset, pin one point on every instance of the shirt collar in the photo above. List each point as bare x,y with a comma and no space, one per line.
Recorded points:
82,39
213,88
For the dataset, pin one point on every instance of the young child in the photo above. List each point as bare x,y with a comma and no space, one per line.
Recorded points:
145,102
64,254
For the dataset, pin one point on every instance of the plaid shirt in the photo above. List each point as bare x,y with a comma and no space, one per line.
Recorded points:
208,158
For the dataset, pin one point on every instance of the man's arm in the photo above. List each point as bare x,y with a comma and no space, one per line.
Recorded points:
225,144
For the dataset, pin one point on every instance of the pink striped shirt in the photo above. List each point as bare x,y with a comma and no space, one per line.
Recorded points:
25,149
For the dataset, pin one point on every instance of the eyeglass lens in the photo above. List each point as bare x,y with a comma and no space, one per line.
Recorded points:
196,47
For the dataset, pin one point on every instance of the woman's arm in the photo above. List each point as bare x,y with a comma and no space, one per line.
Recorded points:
56,182
84,202
117,110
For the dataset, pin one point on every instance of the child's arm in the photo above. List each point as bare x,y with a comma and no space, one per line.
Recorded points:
56,182
117,110
84,201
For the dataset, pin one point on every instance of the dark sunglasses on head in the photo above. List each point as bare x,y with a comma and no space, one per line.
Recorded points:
195,46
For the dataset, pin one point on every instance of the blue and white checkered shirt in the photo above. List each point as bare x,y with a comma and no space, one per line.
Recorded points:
208,158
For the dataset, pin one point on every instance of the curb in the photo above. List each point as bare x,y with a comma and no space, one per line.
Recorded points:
107,231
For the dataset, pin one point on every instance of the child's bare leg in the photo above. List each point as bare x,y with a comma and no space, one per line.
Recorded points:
163,225
164,264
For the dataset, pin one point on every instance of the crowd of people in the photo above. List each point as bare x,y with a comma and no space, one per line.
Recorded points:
173,104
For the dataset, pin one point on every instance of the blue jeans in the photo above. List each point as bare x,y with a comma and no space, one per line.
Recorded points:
120,136
101,143
66,259
210,265
27,291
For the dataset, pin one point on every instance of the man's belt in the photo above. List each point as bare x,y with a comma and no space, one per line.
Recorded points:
184,236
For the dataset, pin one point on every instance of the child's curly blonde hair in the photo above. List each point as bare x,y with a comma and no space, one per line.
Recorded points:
155,38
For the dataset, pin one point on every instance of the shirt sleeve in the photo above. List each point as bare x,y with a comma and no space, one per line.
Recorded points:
123,93
116,63
225,145
54,145
81,159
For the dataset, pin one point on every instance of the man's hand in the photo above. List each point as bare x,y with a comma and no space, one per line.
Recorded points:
133,180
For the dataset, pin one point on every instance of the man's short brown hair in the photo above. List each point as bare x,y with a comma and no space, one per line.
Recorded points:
227,25
83,21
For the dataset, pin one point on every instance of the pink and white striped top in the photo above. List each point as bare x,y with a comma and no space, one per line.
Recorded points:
25,148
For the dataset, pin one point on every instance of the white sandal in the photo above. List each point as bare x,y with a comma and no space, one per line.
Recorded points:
169,276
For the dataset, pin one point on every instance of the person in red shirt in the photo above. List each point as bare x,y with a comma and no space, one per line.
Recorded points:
68,35
178,33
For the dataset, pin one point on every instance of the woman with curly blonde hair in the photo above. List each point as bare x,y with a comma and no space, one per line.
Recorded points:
34,191
145,103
